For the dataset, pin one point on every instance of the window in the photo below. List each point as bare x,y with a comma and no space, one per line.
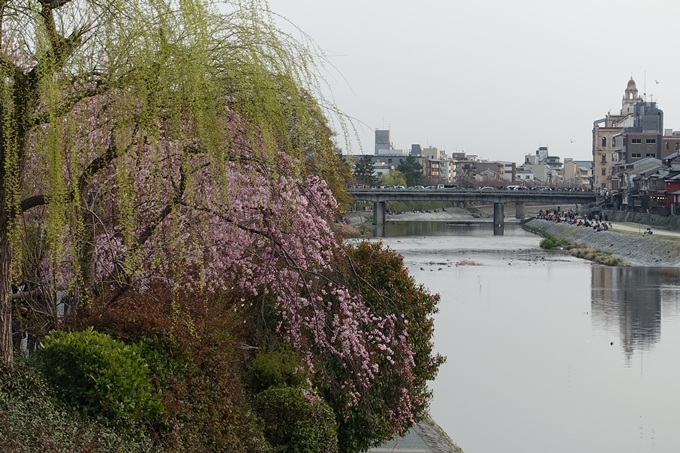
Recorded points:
650,155
604,172
636,140
636,155
651,140
677,146
668,146
389,161
604,141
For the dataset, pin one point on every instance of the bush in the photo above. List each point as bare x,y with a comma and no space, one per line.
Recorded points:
194,346
380,413
547,244
275,369
100,375
33,420
296,421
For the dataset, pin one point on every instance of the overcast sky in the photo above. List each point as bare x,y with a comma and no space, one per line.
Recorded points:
496,78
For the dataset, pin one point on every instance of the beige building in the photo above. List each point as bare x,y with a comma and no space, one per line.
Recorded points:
432,152
577,174
604,131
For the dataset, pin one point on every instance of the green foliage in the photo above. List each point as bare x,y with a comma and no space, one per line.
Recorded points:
364,171
194,349
277,368
296,421
393,178
411,169
34,420
100,375
164,360
547,243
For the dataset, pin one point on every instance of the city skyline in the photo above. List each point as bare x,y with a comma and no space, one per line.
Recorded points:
495,79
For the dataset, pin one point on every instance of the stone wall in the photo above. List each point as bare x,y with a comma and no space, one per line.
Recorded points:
667,222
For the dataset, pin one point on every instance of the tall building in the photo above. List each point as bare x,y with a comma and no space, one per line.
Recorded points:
604,131
636,148
382,140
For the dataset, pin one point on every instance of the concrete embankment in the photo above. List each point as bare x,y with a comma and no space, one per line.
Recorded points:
666,222
636,250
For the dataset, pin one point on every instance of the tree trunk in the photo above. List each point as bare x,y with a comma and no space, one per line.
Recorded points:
6,348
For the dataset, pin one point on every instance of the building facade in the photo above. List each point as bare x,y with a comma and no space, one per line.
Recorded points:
604,131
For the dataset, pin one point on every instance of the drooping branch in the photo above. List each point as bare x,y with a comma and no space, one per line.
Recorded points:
96,165
122,274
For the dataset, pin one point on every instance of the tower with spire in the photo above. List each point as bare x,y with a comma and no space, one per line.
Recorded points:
604,131
630,98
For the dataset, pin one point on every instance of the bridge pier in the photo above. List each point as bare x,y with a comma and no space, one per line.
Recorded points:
498,219
519,210
378,213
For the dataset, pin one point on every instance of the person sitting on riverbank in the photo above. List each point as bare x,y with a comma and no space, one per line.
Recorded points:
648,232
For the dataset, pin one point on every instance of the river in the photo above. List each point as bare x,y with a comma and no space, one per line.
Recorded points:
546,353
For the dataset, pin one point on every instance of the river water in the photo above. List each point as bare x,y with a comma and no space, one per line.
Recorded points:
546,353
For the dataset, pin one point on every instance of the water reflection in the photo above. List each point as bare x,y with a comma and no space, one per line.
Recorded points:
633,299
457,228
529,339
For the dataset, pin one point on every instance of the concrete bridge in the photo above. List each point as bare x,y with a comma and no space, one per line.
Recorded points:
497,197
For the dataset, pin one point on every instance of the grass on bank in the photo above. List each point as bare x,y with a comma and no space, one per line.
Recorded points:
468,263
550,242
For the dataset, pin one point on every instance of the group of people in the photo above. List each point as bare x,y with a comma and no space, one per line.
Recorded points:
595,221
596,225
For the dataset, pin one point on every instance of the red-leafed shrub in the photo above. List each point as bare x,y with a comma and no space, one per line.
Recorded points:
194,347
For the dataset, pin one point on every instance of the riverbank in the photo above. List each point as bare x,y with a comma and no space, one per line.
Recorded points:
425,437
658,250
634,249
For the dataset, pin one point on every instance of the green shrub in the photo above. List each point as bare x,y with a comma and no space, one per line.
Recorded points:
275,369
194,348
548,244
100,375
33,420
296,421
